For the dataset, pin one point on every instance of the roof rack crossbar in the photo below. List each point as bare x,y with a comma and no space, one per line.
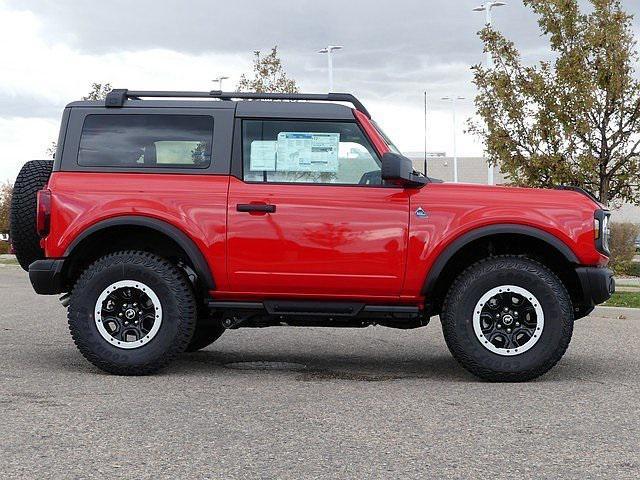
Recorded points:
116,98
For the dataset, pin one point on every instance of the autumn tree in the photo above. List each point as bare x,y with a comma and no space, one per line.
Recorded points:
6,191
268,75
98,91
573,119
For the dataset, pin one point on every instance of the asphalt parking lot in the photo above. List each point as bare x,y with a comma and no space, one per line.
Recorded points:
373,403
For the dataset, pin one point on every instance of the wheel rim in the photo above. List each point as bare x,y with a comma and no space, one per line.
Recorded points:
508,320
128,314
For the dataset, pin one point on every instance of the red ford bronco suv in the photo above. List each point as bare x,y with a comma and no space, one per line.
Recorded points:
166,222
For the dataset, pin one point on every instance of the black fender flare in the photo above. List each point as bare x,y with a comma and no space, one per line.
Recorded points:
507,228
187,244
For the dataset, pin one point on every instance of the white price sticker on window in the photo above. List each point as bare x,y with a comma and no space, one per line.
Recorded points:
263,155
307,152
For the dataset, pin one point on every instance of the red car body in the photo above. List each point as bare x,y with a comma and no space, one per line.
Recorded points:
356,243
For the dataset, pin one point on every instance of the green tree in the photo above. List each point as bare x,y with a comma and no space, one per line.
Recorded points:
268,75
6,190
97,91
574,119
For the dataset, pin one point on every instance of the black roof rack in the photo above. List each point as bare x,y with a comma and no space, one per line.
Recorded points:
117,98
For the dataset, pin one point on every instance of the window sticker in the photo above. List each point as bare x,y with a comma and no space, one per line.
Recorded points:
263,155
307,152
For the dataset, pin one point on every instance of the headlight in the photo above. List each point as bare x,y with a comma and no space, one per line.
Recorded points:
602,230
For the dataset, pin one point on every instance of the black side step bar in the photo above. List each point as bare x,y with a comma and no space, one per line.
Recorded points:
277,307
274,313
302,308
222,305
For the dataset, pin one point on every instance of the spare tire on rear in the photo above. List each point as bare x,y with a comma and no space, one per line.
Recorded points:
33,176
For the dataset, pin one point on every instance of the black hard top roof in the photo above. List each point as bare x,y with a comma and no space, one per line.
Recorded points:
246,104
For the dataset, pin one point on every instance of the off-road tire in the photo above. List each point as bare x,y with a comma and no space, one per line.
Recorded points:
481,277
176,297
208,330
33,176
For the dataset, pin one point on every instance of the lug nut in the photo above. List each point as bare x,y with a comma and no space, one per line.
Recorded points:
517,324
508,330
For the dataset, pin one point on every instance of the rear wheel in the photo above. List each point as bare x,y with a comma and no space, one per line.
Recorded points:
507,319
33,176
131,313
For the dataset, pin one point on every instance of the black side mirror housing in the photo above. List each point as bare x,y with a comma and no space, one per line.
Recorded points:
398,169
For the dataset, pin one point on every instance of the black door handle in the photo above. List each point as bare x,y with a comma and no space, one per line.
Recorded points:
255,207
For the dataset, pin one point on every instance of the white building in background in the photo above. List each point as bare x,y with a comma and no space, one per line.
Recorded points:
627,213
470,169
475,170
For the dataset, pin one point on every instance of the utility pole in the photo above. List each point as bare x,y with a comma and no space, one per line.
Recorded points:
328,51
454,101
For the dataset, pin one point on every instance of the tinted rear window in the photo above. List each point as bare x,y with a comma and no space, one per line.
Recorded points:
152,141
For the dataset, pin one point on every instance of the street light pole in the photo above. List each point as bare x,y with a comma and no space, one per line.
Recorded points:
328,50
487,7
425,133
219,80
454,104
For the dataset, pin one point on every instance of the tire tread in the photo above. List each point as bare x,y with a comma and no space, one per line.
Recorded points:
180,288
488,265
22,218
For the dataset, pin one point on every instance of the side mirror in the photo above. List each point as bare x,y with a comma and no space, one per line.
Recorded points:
398,169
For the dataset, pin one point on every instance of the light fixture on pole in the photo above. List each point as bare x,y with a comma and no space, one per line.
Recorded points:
219,80
487,7
454,102
425,133
328,51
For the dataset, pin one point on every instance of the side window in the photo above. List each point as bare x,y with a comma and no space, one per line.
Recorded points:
146,141
308,152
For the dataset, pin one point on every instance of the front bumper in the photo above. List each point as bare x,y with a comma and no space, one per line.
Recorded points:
597,284
46,276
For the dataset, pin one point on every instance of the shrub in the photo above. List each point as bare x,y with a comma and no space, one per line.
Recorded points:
634,269
4,247
622,247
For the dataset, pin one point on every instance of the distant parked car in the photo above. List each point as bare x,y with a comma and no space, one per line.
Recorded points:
638,243
4,237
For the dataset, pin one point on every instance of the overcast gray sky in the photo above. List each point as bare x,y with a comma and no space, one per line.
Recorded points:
50,51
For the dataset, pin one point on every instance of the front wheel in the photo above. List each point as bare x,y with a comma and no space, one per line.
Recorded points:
131,313
507,319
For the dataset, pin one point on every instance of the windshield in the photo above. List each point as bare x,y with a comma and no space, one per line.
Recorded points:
386,139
